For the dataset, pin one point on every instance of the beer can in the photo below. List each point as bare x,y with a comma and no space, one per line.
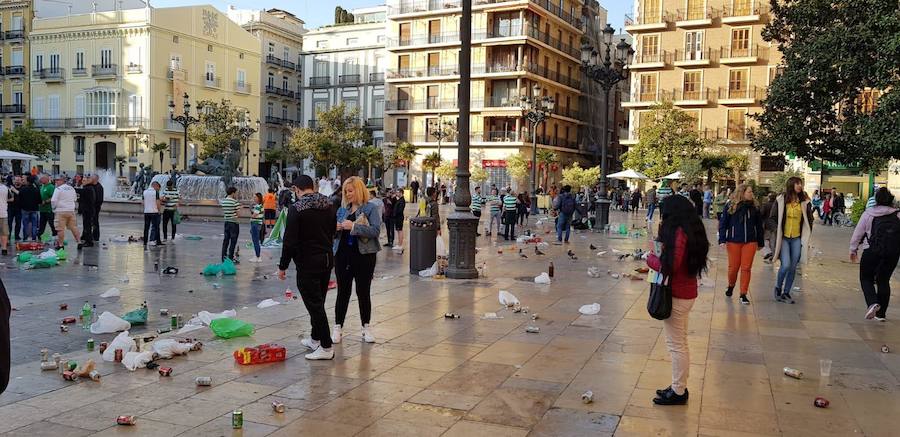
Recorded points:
163,312
94,375
237,419
63,306
90,345
63,328
103,346
165,371
288,294
587,397
793,373
68,320
49,365
57,358
174,320
532,329
180,320
203,381
69,375
45,355
118,355
278,407
71,365
125,420
821,402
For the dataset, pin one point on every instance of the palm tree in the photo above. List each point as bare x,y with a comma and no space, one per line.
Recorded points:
121,160
160,148
430,162
546,157
406,152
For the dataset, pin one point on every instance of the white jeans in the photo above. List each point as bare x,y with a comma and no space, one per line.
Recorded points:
676,341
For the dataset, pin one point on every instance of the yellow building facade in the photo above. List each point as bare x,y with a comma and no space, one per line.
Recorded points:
515,46
15,27
102,83
708,57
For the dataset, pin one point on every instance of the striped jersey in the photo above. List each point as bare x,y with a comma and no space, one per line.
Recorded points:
172,197
495,203
230,209
256,214
477,202
509,202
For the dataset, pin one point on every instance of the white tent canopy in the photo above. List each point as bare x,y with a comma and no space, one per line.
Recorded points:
627,174
676,175
9,154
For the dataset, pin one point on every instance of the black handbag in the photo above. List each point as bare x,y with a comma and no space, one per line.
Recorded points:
659,304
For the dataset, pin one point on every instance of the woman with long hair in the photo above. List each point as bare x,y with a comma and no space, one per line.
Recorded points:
793,216
877,236
682,259
741,232
355,245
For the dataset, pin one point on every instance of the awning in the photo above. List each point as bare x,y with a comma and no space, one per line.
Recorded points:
676,175
628,174
9,154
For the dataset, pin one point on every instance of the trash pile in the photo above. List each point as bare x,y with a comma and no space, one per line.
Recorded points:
48,258
227,268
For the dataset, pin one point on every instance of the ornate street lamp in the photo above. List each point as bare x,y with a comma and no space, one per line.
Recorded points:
185,120
536,109
607,71
440,130
246,129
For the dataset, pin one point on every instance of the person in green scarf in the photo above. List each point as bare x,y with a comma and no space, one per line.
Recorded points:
720,200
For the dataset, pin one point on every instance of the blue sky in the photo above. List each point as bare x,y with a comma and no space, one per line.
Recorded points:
317,13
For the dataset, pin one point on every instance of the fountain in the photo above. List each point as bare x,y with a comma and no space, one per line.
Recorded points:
195,188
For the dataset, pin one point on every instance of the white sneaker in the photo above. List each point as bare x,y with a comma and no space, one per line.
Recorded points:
310,343
367,334
397,248
336,334
255,259
880,319
321,354
870,313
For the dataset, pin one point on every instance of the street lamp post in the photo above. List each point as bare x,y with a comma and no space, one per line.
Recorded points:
607,72
185,120
440,130
536,109
246,130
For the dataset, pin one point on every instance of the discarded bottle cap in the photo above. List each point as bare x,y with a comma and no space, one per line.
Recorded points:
821,402
885,349
278,407
793,373
532,329
163,311
587,397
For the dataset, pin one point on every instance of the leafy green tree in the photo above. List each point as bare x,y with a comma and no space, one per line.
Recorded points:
27,139
838,96
477,173
579,177
405,152
781,178
372,157
334,140
446,171
219,124
667,140
546,157
692,170
161,149
517,168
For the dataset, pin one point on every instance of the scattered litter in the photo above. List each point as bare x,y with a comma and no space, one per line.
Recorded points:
543,245
124,279
168,348
109,322
429,272
614,275
593,272
506,299
821,402
593,247
534,316
205,317
230,328
451,316
189,328
643,270
267,303
137,316
264,353
793,373
602,252
796,288
590,310
543,278
277,407
112,292
122,342
193,237
203,381
885,349
86,370
170,270
136,360
491,316
587,397
532,329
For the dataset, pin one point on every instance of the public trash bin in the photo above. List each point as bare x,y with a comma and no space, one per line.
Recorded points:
422,250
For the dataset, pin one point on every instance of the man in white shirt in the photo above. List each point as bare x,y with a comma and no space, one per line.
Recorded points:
152,206
4,214
63,204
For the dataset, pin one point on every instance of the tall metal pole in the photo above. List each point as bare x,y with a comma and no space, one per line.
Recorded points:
185,169
534,164
461,223
604,167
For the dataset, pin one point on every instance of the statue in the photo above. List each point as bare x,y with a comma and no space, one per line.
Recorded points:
141,179
223,164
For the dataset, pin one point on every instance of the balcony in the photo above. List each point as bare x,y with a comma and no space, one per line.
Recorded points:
92,123
647,22
693,97
693,58
734,135
271,119
555,9
420,105
274,60
422,40
567,112
502,102
649,61
17,35
319,81
696,17
348,79
422,6
290,65
422,72
243,88
646,99
375,123
494,67
134,69
554,43
496,136
211,81
270,144
51,75
50,124
18,109
104,71
79,157
739,55
554,76
14,71
743,12
741,97
282,92
79,72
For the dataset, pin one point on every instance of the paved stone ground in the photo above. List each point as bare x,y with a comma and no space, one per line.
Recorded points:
433,376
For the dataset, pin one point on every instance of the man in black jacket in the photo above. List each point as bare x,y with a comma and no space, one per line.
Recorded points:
98,203
29,201
697,197
87,208
307,241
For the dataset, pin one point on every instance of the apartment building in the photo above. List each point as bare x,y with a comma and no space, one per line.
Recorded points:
102,83
280,36
15,26
345,64
707,57
518,46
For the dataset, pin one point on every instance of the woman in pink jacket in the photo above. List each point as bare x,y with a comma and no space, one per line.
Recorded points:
878,236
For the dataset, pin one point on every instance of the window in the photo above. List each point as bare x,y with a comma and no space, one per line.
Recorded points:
78,110
320,68
284,82
135,108
56,142
694,114
241,78
740,42
649,48
270,109
405,33
737,124
434,64
209,48
53,106
17,23
286,54
650,11
38,62
692,86
351,66
132,147
322,44
738,83
271,81
742,7
432,97
648,87
319,106
506,24
175,39
174,148
352,41
106,58
434,31
18,57
402,129
693,46
381,39
774,71
271,48
431,126
867,101
378,107
54,62
79,59
79,145
284,112
210,72
403,65
37,107
695,10
403,98
100,108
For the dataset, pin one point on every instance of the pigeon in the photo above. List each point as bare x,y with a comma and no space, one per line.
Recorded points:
593,247
537,251
571,255
622,257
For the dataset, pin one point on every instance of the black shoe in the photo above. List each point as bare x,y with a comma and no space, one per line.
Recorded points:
729,291
744,300
386,245
5,252
81,246
778,294
663,391
87,245
786,297
671,398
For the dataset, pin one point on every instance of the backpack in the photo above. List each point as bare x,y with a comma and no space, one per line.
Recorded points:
884,239
567,206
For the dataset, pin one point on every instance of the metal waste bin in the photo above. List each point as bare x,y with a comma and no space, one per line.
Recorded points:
422,250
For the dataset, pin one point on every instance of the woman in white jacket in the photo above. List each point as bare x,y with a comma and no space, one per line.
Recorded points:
793,213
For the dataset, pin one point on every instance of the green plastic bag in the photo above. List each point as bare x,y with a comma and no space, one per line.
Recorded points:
136,317
24,257
176,218
231,328
212,269
61,254
193,237
228,267
45,263
47,237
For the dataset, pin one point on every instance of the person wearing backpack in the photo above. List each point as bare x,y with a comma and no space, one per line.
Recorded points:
565,204
878,235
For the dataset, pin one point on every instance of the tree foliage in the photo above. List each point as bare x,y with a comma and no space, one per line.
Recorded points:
517,168
219,124
446,171
159,148
667,140
431,161
579,177
334,141
478,174
546,157
835,53
692,170
780,179
27,139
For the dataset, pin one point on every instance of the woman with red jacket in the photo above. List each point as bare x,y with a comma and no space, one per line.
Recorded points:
682,260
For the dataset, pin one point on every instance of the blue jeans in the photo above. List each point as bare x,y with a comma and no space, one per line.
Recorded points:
254,236
790,257
564,221
651,208
495,216
229,243
30,222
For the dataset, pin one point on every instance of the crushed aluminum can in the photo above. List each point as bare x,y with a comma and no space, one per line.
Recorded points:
49,365
793,373
821,402
587,397
451,316
71,365
63,306
68,320
63,328
165,371
69,375
163,312
278,407
57,358
119,353
125,420
885,349
532,329
203,381
45,355
94,375
103,346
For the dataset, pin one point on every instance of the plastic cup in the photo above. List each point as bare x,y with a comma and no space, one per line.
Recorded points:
825,368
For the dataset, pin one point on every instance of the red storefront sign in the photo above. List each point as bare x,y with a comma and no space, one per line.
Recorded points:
488,163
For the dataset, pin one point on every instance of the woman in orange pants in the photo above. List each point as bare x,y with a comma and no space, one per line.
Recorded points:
741,231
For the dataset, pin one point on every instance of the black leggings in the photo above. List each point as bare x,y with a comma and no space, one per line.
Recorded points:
350,267
875,279
168,216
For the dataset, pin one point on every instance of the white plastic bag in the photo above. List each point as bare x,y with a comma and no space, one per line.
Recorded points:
188,328
112,292
440,248
267,303
507,299
589,310
429,272
168,348
49,253
543,278
136,360
122,341
543,245
206,317
109,322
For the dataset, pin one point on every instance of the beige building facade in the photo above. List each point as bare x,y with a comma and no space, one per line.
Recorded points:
103,81
708,57
15,28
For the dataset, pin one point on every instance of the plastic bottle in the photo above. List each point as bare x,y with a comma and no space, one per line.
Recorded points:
94,315
550,270
86,315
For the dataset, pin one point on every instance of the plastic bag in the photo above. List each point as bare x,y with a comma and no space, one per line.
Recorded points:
42,263
593,272
136,317
228,267
176,218
268,303
543,278
109,322
231,328
212,269
24,257
122,341
507,299
429,272
47,254
136,360
589,310
188,328
61,254
206,317
112,292
193,238
440,248
168,348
